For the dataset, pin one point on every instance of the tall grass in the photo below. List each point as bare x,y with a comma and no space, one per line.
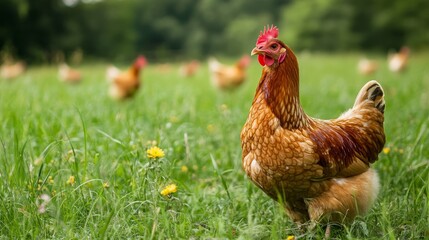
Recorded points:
50,131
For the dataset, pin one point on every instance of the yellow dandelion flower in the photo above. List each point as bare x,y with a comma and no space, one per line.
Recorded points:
172,188
184,169
386,150
71,180
50,180
290,237
155,152
106,185
211,128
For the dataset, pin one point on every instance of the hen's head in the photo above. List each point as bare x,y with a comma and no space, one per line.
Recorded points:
244,61
271,51
140,62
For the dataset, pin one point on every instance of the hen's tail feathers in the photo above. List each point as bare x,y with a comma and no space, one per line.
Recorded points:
374,92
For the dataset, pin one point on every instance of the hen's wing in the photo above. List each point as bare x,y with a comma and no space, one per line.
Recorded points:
347,145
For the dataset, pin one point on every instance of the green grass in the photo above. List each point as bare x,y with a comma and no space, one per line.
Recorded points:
50,131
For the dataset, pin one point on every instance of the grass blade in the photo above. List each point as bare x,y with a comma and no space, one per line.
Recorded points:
224,184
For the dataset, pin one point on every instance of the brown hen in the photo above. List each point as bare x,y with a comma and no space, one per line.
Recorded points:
398,61
367,67
315,168
189,69
69,75
125,84
228,77
12,70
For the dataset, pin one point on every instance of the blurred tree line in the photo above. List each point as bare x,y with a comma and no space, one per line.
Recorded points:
118,30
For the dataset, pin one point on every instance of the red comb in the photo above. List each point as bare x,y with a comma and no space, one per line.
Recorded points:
269,32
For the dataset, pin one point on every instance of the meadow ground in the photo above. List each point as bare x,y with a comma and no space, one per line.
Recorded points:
74,164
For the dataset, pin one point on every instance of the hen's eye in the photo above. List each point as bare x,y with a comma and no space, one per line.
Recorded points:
274,46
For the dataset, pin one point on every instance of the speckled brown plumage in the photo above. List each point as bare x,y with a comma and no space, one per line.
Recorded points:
316,168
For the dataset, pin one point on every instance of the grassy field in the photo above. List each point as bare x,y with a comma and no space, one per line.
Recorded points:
74,164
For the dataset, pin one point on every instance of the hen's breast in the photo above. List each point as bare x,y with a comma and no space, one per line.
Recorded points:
275,158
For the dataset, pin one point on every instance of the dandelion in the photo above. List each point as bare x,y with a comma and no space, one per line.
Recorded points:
155,152
290,237
169,189
70,156
71,180
106,185
184,169
211,128
386,150
50,180
40,185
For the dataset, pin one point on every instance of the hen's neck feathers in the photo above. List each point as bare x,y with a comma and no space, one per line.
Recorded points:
280,87
135,70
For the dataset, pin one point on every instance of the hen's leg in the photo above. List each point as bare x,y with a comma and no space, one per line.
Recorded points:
328,231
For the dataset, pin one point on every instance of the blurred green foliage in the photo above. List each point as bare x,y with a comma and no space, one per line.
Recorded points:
374,25
170,30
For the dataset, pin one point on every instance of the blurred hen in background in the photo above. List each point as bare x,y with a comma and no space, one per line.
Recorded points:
398,61
228,77
189,69
11,70
125,84
367,66
69,75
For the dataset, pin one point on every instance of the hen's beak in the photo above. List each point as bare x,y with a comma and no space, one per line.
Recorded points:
256,51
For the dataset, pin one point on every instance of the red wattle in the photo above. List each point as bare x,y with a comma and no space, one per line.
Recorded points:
268,60
261,60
